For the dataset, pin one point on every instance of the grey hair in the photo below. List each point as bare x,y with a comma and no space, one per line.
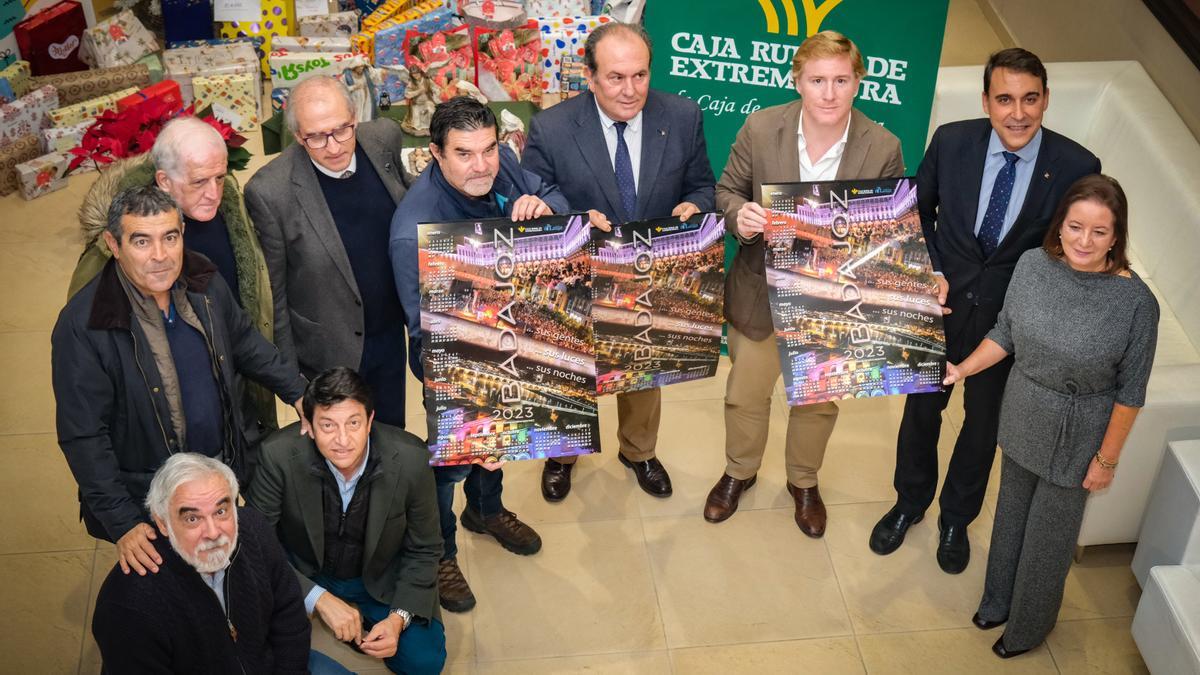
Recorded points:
594,38
301,90
180,468
140,200
168,152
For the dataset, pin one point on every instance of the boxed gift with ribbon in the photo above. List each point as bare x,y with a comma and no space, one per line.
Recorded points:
28,115
508,63
279,99
15,80
50,39
62,139
119,41
298,45
23,149
187,20
340,24
42,175
166,92
288,70
86,110
231,97
258,42
563,39
278,17
553,8
88,84
219,59
389,41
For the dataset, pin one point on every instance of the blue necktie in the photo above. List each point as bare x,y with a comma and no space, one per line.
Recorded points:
624,169
993,219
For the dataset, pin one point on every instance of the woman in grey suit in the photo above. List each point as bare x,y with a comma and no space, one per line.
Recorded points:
1083,328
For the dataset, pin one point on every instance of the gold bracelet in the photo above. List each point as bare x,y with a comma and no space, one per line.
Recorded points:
1104,462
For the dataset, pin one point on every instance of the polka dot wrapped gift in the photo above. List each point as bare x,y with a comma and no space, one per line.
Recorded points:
563,37
278,18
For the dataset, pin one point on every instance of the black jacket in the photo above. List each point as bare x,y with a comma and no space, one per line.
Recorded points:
403,540
172,622
948,185
113,419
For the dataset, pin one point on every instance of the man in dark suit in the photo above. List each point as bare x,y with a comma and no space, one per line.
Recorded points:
322,210
355,509
986,190
630,153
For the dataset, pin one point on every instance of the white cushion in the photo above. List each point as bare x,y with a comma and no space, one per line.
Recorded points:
1170,533
1166,626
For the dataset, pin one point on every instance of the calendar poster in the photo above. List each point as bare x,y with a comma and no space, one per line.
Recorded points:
508,352
657,295
852,292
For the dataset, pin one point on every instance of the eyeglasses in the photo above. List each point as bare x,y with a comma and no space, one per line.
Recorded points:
340,134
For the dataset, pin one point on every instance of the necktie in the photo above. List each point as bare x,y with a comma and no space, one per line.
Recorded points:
993,219
346,174
624,170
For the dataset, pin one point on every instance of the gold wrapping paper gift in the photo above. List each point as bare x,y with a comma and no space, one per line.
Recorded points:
84,110
85,85
21,150
231,97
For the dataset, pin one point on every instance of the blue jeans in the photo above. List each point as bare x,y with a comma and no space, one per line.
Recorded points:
320,664
482,489
422,647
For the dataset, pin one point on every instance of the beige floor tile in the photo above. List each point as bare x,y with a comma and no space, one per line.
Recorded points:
860,461
45,605
35,479
324,641
753,578
648,663
1095,647
831,656
27,405
106,557
589,590
52,219
948,652
906,589
1102,585
460,636
41,271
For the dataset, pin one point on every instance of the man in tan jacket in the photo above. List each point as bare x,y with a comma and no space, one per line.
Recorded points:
821,137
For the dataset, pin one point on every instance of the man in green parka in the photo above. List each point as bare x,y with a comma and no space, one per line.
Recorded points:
189,161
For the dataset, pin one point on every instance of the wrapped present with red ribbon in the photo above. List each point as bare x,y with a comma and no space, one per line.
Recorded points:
166,93
50,39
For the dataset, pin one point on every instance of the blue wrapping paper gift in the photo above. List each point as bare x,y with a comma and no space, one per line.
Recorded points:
389,48
187,20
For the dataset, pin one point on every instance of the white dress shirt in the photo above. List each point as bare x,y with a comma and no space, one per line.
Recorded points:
633,139
826,167
338,174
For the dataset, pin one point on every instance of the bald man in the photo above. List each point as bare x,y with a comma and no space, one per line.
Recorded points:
323,210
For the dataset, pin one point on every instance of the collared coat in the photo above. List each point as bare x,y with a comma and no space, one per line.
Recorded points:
766,151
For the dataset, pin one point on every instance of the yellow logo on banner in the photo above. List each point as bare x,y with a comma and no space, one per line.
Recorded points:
813,15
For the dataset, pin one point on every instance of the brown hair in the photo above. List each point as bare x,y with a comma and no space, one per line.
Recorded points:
1103,190
1017,60
826,44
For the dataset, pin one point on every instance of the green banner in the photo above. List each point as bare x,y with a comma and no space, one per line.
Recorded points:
733,57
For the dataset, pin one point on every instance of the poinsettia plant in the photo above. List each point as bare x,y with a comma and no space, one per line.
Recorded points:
131,132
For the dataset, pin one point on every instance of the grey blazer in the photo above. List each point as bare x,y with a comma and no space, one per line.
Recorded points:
403,541
766,151
318,307
566,147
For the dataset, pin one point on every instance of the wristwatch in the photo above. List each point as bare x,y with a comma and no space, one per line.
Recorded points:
405,616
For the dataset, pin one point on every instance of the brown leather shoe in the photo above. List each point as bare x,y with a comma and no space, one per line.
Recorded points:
810,510
723,499
506,528
453,591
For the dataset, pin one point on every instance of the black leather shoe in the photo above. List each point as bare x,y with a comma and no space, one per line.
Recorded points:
999,650
556,480
984,624
954,550
889,532
651,475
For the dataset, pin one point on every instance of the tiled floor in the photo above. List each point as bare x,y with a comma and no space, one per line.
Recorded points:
626,583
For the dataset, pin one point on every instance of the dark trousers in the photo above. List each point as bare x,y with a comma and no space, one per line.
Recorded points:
971,463
482,489
1033,539
383,367
422,646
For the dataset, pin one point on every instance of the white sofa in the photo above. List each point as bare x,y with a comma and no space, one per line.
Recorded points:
1166,626
1171,529
1116,111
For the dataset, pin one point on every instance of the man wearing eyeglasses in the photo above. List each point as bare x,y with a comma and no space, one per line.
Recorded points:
323,209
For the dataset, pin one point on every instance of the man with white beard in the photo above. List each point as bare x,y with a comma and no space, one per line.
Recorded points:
224,599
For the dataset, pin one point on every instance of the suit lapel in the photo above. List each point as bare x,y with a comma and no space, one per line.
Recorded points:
308,495
858,145
383,491
786,151
655,127
590,139
973,177
383,159
311,198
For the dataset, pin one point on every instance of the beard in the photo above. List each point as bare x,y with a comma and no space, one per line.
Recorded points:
219,551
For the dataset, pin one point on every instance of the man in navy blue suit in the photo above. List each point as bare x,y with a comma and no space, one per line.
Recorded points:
629,153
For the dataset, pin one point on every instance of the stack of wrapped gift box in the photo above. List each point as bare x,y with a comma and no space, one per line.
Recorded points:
21,123
295,59
222,76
